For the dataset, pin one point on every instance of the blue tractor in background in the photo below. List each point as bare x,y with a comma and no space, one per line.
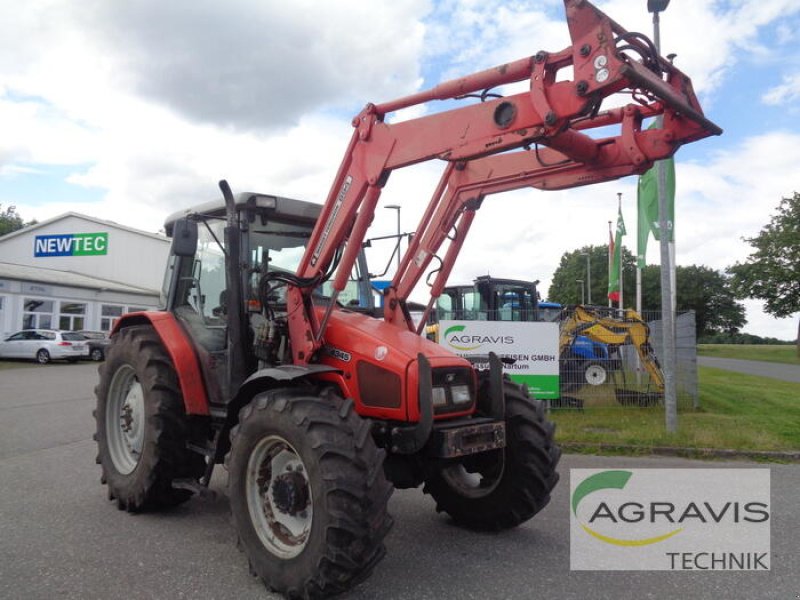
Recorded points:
583,360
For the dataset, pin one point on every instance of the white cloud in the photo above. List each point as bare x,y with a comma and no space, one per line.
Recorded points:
259,65
786,92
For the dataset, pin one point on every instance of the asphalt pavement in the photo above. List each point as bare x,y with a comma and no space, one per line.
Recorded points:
61,538
753,367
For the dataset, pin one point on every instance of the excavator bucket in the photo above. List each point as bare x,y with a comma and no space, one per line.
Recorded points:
627,397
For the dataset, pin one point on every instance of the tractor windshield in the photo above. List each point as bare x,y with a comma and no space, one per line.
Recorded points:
268,245
280,247
511,302
461,303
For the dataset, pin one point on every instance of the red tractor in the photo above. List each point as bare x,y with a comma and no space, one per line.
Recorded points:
268,357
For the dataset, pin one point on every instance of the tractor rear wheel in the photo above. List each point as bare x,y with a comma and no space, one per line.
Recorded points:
141,424
502,488
307,492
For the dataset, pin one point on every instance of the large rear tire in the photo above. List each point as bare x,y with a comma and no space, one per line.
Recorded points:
503,488
141,424
307,492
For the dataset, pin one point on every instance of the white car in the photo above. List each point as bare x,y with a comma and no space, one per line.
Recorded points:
44,345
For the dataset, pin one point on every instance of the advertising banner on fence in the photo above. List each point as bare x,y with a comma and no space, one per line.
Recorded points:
532,346
670,519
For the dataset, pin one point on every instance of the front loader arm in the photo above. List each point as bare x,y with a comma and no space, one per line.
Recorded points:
555,114
464,185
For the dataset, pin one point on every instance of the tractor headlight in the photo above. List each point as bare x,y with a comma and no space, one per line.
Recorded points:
453,389
460,394
439,397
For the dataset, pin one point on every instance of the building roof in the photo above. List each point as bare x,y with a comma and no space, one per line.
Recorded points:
69,279
29,228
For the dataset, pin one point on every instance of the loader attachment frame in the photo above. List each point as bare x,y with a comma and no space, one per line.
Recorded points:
480,144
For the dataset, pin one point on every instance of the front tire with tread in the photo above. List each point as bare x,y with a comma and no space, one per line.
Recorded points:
345,502
518,479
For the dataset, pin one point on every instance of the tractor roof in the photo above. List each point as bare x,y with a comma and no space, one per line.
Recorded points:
277,206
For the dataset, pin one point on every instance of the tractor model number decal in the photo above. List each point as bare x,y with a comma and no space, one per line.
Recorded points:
334,213
337,354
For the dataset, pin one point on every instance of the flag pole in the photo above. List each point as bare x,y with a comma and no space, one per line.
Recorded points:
610,258
668,318
621,255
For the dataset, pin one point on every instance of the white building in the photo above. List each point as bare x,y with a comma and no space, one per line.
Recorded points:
78,272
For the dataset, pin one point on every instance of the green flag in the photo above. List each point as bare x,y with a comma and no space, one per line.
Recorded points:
616,249
648,207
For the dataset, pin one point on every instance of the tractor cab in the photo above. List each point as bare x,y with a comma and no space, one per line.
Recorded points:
489,299
271,234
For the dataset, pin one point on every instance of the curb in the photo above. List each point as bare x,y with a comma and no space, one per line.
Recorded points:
764,455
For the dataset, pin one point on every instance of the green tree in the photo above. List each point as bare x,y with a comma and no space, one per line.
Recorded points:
699,288
772,272
566,289
705,291
10,220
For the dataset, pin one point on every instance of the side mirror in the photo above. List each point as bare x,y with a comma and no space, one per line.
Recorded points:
184,237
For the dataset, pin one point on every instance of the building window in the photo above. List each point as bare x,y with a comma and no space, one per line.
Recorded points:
38,314
72,317
135,309
109,315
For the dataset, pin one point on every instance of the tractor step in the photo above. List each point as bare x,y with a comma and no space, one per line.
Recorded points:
196,487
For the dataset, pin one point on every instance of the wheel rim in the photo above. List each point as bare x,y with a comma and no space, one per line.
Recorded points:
474,483
279,497
43,357
125,420
96,355
595,375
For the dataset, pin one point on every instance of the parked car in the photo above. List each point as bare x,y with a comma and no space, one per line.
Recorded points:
98,342
44,345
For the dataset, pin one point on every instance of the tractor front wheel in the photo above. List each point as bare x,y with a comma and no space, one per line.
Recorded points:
502,488
307,492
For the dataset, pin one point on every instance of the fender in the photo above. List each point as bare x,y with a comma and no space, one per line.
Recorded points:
259,381
281,374
181,351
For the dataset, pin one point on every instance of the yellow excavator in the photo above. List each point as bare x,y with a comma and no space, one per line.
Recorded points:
600,325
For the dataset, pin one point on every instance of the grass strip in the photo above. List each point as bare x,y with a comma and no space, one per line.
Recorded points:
765,353
740,413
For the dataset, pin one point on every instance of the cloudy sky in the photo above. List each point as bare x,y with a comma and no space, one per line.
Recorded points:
128,111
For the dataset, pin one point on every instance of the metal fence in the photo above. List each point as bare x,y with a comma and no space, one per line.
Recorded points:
597,374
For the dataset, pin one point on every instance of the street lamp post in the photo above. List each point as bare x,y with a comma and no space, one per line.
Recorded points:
588,256
397,248
583,298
